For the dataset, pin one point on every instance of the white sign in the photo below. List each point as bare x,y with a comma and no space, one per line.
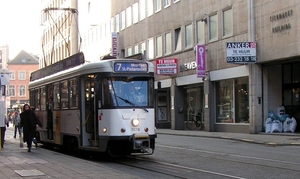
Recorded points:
241,52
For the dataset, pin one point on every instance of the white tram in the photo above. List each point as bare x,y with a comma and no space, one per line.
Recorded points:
91,109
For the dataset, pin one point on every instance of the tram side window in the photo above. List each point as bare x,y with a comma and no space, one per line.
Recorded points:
43,98
64,95
32,96
56,96
73,93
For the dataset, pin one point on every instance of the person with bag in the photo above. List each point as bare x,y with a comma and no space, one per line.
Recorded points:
16,122
28,123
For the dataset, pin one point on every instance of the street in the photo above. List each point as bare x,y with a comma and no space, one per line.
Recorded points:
197,157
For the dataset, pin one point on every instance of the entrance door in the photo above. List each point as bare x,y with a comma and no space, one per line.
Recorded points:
90,122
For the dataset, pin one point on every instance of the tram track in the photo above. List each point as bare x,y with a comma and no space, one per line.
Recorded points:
240,159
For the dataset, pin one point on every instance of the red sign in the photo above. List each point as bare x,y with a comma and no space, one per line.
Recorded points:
166,66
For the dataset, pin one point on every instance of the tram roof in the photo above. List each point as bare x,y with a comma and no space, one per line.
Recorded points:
87,68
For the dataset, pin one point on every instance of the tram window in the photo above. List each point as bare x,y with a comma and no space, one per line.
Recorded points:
73,93
56,96
43,98
64,94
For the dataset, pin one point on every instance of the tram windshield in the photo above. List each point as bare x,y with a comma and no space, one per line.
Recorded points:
123,91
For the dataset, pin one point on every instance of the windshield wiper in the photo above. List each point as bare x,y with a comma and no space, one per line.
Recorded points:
132,104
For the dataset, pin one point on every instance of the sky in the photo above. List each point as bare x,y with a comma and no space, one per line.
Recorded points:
20,26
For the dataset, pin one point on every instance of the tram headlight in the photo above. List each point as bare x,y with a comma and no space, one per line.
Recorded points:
104,130
135,122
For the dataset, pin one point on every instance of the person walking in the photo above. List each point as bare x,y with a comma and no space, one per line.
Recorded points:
3,129
28,123
16,122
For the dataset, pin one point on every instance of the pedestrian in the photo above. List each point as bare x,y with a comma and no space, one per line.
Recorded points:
16,122
3,129
28,123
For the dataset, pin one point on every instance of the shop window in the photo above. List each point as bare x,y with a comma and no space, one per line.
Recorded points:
233,101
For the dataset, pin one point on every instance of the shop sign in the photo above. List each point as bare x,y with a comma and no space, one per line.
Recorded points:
241,52
166,66
201,59
114,45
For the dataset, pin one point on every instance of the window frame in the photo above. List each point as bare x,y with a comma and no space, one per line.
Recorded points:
188,37
224,34
215,32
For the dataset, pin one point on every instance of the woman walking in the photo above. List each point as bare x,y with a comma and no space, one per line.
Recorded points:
28,122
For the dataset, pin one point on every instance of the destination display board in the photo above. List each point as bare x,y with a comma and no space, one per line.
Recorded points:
130,67
69,62
241,52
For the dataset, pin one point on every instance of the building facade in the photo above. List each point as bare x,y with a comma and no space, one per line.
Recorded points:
20,69
231,96
60,37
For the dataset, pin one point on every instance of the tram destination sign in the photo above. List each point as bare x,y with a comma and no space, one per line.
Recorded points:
130,67
241,52
69,62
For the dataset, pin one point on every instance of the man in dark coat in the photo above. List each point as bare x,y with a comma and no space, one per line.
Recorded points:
28,122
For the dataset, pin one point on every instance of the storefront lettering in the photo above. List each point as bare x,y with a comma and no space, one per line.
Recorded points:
188,66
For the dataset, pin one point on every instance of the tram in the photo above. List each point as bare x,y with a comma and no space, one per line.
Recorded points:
85,106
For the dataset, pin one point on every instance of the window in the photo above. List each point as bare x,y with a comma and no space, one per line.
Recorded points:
159,46
135,12
200,32
117,21
188,42
143,47
122,18
233,101
168,43
11,90
64,94
12,75
22,75
22,90
129,51
128,17
227,22
149,7
136,49
157,5
167,3
213,27
177,39
142,9
56,96
43,98
150,49
73,93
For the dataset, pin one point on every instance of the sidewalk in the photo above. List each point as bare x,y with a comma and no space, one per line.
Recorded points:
16,162
262,138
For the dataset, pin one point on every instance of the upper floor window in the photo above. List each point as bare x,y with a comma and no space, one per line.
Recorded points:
117,23
143,47
11,90
22,91
168,43
227,22
0,56
188,41
149,7
136,49
213,27
157,5
128,17
129,51
22,75
167,3
142,9
200,32
150,49
12,75
135,12
122,18
177,36
159,46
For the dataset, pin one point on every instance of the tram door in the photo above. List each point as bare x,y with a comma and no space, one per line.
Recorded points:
90,124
